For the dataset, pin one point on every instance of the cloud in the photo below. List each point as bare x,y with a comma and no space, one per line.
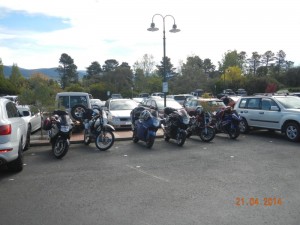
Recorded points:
97,30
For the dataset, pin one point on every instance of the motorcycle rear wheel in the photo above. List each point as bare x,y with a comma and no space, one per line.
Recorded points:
86,138
61,147
208,135
105,140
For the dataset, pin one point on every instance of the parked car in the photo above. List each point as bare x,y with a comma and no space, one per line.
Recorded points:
241,92
68,100
155,103
180,98
14,138
95,102
208,104
13,98
274,112
115,96
118,112
34,120
160,94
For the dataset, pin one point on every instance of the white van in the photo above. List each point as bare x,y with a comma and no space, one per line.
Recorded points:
67,100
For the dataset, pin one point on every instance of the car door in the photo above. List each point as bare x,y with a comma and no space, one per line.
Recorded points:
269,118
249,108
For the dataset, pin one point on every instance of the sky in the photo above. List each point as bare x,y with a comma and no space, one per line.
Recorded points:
34,33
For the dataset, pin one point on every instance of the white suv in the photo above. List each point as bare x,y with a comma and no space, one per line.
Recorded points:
13,136
275,112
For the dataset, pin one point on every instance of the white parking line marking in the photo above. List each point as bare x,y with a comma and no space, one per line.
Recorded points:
137,168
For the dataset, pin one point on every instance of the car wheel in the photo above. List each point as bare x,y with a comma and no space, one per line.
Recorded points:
244,128
27,145
292,131
17,164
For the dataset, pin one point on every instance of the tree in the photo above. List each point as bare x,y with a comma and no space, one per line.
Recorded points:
254,62
67,71
208,67
2,77
267,57
170,70
232,58
280,60
94,71
16,78
233,78
110,65
146,64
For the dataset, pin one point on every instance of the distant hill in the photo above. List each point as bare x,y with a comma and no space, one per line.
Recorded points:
50,72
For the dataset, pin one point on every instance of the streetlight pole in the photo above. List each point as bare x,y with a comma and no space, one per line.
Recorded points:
173,30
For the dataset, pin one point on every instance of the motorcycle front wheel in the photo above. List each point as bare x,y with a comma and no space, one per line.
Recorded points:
150,142
135,139
61,147
234,132
180,139
105,140
207,134
86,138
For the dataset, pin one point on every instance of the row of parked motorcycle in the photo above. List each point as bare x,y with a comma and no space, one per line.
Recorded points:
176,124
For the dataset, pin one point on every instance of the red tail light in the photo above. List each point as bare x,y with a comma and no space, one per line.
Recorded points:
5,129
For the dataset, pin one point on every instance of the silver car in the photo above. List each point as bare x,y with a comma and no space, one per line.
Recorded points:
118,112
14,138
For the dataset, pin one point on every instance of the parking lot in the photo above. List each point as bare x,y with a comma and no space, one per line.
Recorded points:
252,180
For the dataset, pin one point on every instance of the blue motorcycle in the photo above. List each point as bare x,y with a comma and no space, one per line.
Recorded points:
144,125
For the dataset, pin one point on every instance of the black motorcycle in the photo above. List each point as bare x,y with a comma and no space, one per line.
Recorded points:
227,121
200,125
59,127
97,129
175,124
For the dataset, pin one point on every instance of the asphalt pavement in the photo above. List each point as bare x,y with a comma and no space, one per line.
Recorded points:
40,138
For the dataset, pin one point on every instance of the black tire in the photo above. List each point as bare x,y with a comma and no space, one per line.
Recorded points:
86,137
105,140
243,125
150,142
166,137
234,133
17,164
292,131
60,148
207,135
77,111
134,137
180,139
27,145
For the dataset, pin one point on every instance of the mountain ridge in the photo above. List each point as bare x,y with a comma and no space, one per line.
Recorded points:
49,72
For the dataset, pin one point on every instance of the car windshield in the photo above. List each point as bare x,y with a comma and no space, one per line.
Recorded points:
289,102
123,105
169,103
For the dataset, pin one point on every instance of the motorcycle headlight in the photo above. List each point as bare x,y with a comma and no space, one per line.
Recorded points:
97,123
186,120
156,122
65,128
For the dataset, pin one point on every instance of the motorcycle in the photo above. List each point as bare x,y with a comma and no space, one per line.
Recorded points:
144,125
175,124
59,127
97,129
227,121
199,125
